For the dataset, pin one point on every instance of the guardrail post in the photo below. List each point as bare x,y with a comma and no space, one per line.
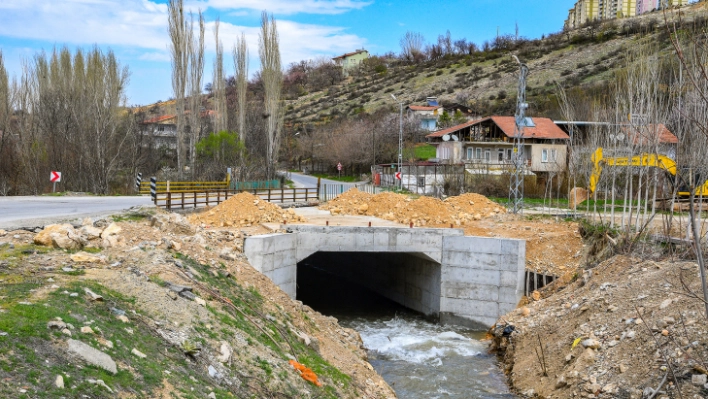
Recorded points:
138,182
169,201
195,199
269,191
168,186
182,199
282,194
207,197
153,189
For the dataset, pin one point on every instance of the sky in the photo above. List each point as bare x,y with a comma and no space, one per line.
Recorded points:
136,30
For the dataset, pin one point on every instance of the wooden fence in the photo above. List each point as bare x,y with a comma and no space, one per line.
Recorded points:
196,199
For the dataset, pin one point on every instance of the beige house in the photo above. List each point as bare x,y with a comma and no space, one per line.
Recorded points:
351,60
486,145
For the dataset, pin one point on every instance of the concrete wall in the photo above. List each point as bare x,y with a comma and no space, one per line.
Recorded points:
482,279
464,280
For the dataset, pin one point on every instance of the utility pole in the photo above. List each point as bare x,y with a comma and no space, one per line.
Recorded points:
400,143
516,183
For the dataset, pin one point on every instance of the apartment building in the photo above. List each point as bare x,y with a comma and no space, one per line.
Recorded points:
590,10
644,6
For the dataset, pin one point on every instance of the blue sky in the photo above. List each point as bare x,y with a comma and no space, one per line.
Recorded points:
136,30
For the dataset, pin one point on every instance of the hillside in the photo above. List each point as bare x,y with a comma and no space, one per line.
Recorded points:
586,58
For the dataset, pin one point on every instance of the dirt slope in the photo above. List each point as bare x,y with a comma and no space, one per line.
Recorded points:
615,332
182,315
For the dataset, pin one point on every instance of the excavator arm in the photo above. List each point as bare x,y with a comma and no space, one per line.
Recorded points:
653,160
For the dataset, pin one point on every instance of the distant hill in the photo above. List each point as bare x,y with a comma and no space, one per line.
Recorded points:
585,59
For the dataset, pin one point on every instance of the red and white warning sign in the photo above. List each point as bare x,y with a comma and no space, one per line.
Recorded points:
398,175
55,177
339,166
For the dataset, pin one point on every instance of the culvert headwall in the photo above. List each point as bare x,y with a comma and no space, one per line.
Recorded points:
461,279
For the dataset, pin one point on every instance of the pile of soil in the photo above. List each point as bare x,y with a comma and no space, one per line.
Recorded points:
617,331
424,211
244,210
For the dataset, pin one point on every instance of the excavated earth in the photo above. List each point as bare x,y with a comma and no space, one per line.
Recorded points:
624,329
199,320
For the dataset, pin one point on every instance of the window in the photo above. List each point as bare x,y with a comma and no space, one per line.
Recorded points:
500,155
479,153
487,156
444,153
544,155
553,156
160,128
469,153
508,154
421,181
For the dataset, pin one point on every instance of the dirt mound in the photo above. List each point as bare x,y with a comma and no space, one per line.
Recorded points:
424,211
244,210
616,332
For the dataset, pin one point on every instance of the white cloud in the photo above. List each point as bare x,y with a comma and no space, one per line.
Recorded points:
287,6
159,56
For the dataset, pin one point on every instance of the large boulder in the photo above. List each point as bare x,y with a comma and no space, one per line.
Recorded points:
92,356
173,223
44,237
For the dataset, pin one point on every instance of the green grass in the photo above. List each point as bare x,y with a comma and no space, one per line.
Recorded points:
422,151
32,356
343,179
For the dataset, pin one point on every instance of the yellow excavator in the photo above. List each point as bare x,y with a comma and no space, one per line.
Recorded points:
652,160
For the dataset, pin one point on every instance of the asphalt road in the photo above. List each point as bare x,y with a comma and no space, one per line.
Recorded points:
302,181
17,212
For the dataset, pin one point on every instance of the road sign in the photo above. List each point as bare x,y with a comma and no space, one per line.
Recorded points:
398,175
55,177
339,166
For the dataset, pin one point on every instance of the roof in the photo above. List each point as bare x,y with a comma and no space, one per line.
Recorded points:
642,134
424,107
544,129
159,119
350,54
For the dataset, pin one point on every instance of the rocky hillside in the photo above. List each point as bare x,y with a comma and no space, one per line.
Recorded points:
586,58
147,305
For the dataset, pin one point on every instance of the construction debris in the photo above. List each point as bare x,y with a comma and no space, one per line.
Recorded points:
244,210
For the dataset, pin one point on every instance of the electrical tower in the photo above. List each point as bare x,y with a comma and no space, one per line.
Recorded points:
516,184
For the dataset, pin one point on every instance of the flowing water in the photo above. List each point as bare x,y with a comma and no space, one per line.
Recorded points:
419,359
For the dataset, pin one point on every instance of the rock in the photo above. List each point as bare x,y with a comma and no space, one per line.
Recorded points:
225,352
536,296
86,330
138,353
62,241
90,232
92,356
200,301
591,343
44,236
173,295
123,318
561,382
665,333
106,343
593,388
699,379
213,373
525,311
188,294
3,233
111,230
622,368
609,388
66,332
56,325
178,288
211,395
59,382
363,208
665,304
93,296
110,241
100,383
85,257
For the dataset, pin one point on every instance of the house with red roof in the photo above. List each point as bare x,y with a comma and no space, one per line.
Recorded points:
486,145
351,60
427,115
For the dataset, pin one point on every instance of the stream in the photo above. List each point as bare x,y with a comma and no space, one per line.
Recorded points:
418,358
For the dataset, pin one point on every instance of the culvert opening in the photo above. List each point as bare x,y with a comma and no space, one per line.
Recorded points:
369,284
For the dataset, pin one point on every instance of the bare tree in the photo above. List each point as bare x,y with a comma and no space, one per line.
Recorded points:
196,72
272,77
241,74
412,46
177,29
218,85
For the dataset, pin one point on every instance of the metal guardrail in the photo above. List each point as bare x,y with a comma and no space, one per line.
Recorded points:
195,199
330,191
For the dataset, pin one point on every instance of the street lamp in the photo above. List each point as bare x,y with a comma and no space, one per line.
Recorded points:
400,141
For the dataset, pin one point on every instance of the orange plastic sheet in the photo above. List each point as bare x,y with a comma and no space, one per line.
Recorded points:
305,373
